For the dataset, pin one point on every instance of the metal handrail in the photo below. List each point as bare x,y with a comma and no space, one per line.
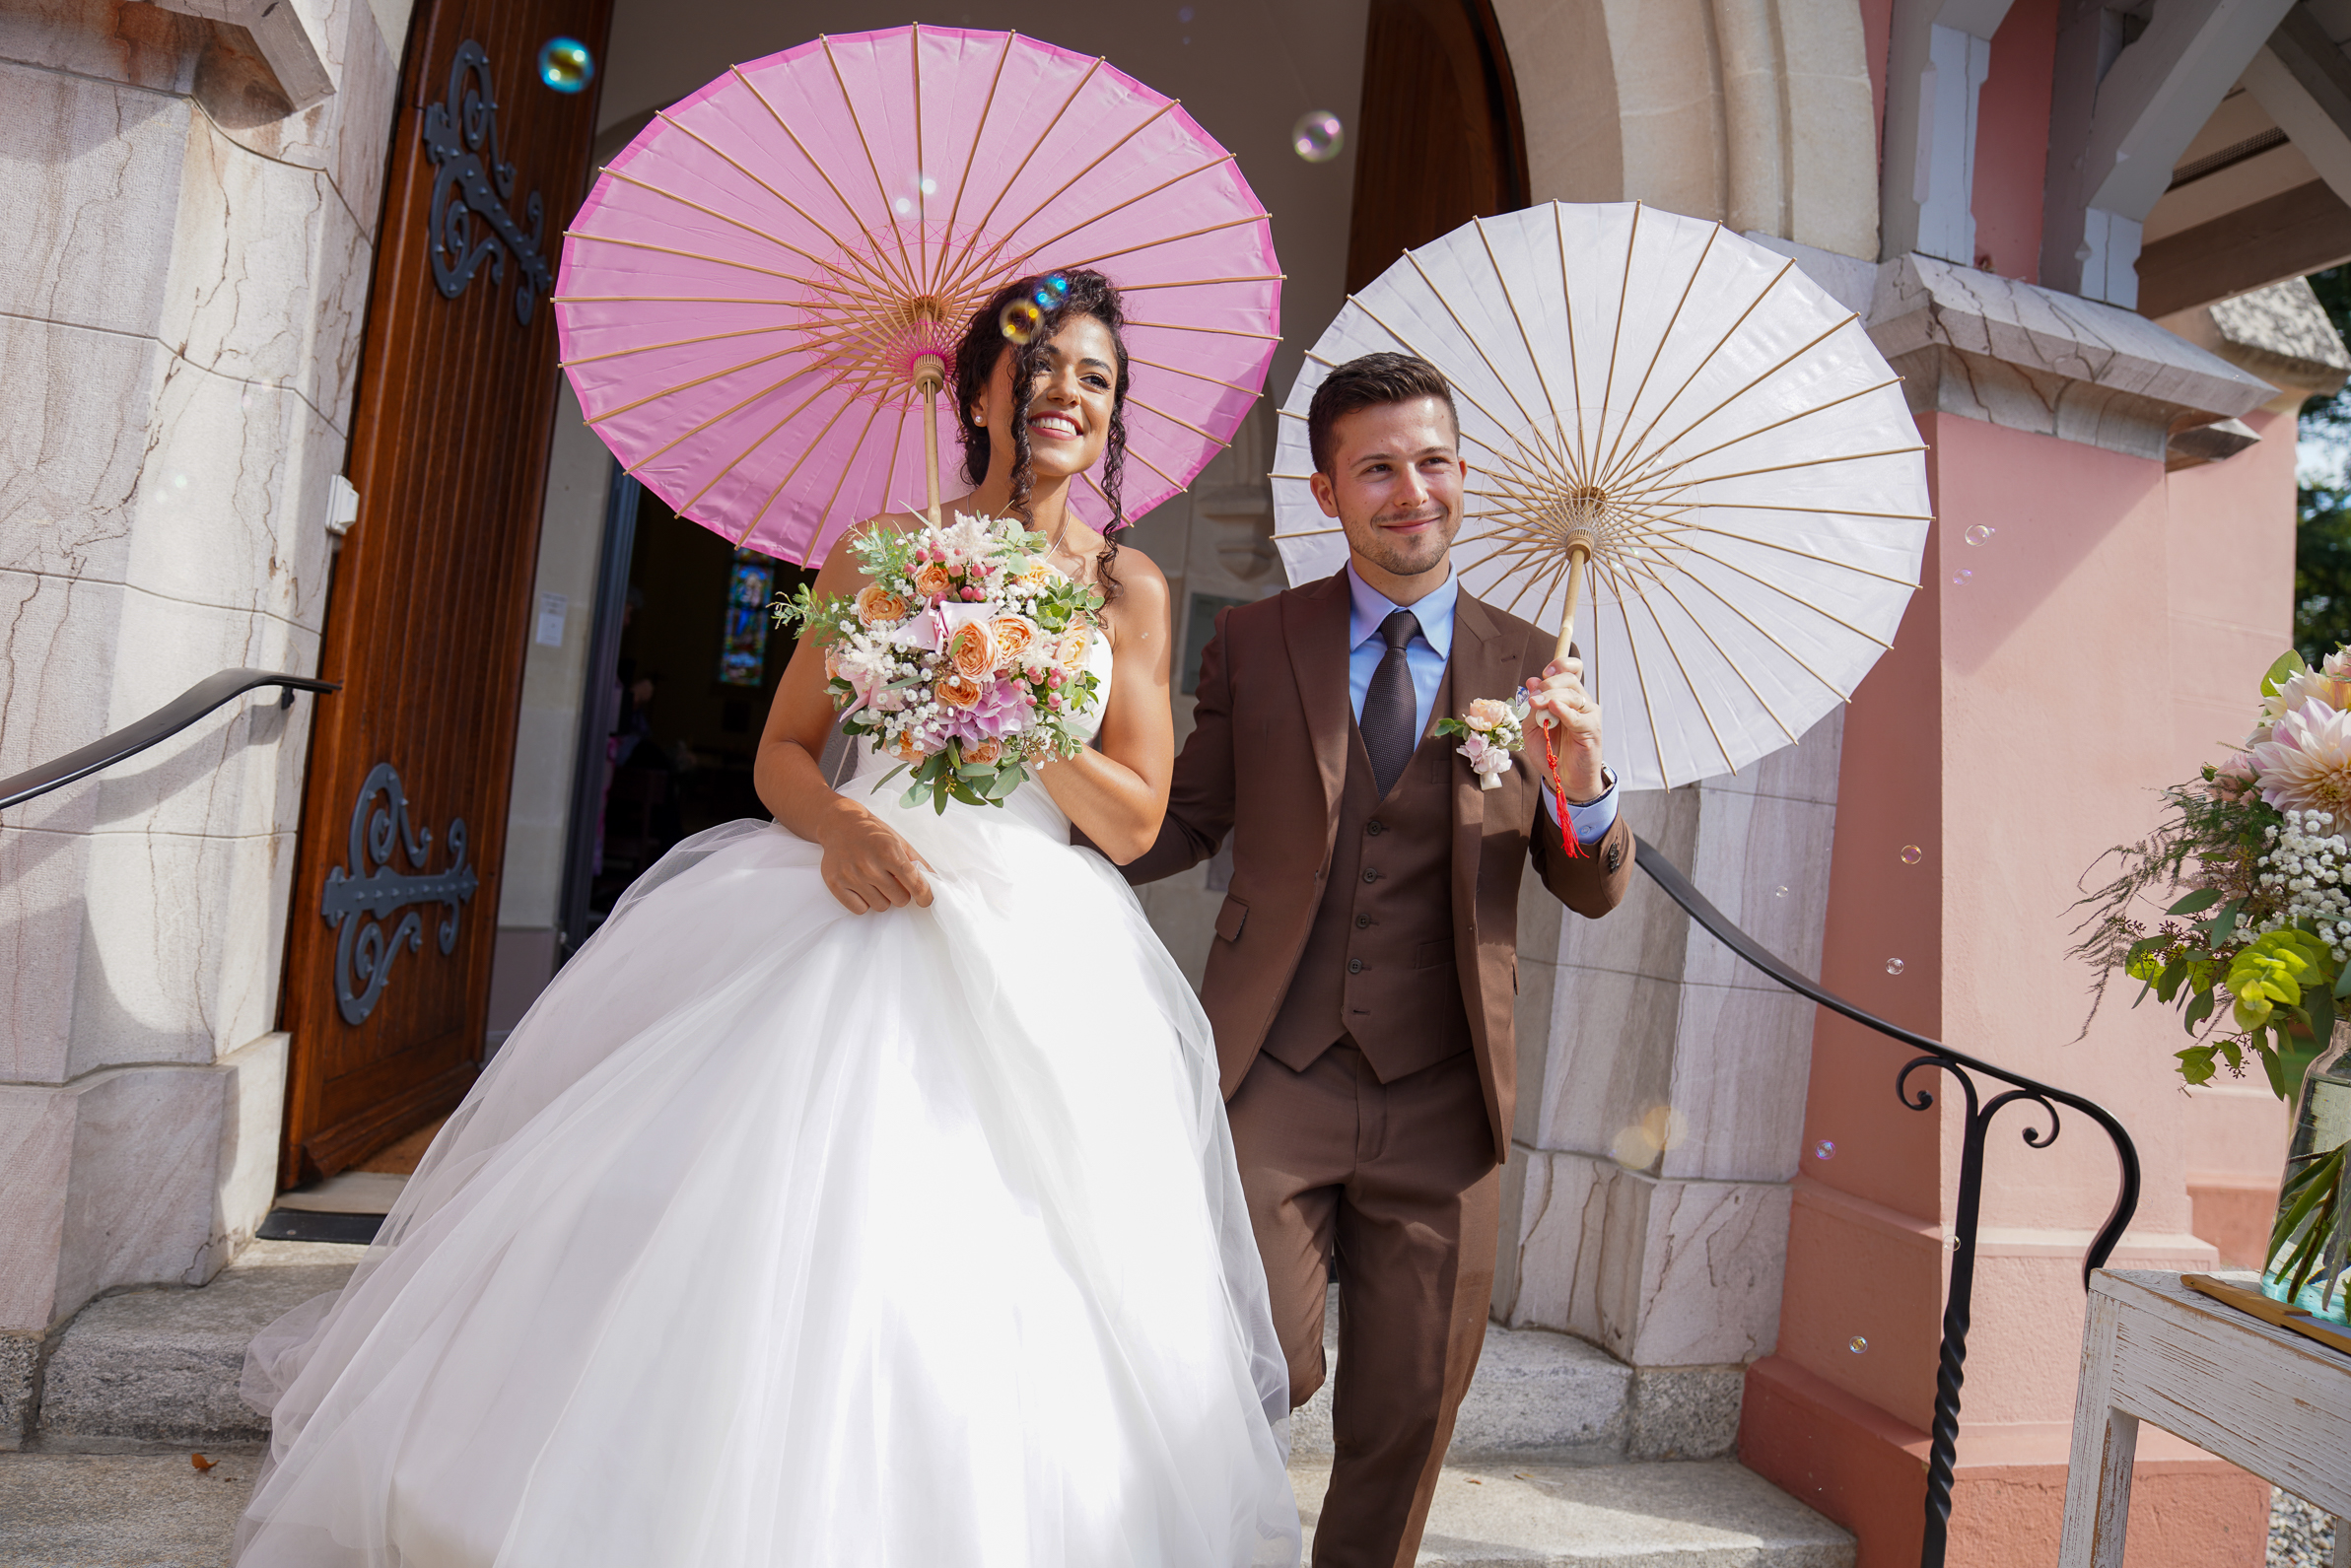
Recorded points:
161,724
1952,1357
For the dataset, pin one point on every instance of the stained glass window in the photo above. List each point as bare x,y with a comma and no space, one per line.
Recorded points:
743,641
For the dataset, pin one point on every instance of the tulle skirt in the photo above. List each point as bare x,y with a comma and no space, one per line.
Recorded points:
781,1235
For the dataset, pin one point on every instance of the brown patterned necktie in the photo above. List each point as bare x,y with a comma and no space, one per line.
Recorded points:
1390,707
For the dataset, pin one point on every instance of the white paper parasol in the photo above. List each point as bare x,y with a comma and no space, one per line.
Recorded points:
1690,414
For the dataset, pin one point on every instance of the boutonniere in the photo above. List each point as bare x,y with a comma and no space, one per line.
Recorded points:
1490,731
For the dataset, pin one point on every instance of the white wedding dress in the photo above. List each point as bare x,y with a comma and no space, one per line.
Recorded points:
781,1235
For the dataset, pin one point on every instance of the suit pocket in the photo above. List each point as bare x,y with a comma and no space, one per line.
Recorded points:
1231,918
1428,955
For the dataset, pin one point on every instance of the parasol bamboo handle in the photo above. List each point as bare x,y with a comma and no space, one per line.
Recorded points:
930,378
1577,554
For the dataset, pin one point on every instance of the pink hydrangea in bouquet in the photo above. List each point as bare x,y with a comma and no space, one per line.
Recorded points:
964,656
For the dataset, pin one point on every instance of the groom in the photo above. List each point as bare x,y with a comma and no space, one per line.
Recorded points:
1362,978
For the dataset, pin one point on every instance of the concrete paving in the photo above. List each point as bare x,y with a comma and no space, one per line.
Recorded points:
121,1509
1704,1514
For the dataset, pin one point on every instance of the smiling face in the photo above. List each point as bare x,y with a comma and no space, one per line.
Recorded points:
1395,486
1068,406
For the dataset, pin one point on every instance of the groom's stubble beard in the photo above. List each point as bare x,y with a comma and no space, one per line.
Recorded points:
1407,556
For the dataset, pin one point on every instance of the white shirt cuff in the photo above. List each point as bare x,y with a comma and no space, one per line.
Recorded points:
1592,821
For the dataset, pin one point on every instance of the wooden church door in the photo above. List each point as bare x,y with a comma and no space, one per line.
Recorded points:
396,881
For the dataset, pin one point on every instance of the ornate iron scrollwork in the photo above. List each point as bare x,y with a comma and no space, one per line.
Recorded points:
359,899
466,187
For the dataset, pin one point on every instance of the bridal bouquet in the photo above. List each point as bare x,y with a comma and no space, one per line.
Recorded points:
964,656
2256,954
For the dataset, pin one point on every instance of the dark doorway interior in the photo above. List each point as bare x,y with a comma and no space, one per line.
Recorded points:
697,668
1447,145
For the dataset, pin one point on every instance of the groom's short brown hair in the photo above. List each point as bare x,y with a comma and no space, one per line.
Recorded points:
1370,381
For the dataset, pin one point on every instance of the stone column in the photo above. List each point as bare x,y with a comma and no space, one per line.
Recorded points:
1660,1100
181,303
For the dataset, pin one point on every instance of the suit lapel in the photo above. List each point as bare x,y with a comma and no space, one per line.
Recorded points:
1314,624
1484,664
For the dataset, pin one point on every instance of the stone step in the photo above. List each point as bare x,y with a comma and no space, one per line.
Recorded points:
161,1366
1535,1397
122,1510
1676,1514
157,1510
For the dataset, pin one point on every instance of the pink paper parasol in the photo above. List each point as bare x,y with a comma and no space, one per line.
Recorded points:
762,295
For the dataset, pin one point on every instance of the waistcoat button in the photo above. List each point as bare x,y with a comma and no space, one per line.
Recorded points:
1355,966
1363,921
1375,826
1370,874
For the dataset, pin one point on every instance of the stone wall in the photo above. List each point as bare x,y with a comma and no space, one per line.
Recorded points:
182,298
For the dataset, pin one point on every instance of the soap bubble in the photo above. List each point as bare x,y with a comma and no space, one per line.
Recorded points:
566,65
1317,136
1182,13
1856,1344
1894,966
1912,855
1779,892
1020,322
1979,534
1960,577
1826,1149
917,190
1052,292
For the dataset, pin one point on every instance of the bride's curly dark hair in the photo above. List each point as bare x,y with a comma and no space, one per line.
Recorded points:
984,341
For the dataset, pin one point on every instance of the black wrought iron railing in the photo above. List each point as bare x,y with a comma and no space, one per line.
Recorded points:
1952,1358
161,724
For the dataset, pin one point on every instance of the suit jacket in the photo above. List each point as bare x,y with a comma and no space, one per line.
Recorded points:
1267,761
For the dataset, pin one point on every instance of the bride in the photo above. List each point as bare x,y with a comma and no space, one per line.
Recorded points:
861,1193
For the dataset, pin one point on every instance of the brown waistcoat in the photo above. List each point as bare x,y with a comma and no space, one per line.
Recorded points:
1267,764
1378,962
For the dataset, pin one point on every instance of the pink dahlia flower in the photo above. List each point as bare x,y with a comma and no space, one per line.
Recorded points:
2306,763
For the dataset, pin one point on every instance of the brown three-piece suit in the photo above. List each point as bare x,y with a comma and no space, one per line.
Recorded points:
1361,986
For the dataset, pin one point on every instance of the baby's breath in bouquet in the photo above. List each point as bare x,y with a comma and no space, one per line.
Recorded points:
2255,950
964,656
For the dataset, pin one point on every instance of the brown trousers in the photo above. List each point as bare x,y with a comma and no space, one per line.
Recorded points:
1395,1186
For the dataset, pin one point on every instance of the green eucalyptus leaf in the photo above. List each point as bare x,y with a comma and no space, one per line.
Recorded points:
2196,1063
2166,984
2289,664
2317,1007
2198,1009
2273,1059
2201,898
2219,929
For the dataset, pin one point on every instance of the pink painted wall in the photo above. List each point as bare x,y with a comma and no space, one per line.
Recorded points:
1876,37
2231,618
2019,726
2011,140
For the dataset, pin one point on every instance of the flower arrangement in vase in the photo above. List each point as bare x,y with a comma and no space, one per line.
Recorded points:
2256,954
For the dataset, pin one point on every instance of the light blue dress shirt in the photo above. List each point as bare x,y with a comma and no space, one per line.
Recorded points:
1425,655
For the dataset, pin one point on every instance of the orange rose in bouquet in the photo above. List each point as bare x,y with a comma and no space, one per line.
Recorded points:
972,649
932,581
1013,638
958,691
879,606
